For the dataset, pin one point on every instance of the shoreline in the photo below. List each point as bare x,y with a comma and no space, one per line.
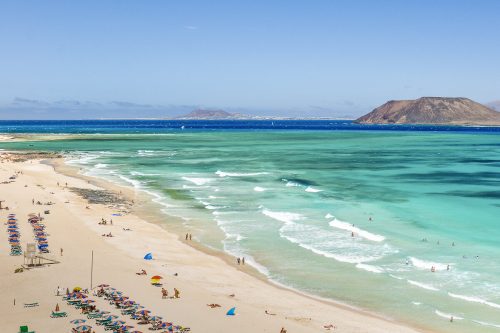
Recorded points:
60,166
297,311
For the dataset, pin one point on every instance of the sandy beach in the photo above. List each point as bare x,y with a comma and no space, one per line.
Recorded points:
73,226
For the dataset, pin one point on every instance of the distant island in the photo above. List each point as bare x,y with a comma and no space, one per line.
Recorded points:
202,114
432,110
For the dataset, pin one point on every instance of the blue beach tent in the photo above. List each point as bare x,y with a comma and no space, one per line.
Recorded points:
148,256
231,312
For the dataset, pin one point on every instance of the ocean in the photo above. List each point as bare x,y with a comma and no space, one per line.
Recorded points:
355,213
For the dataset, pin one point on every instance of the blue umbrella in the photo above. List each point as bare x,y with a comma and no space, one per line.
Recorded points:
83,328
148,256
78,321
231,312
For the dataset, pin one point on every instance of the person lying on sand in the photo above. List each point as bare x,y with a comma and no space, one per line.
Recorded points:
142,272
329,327
214,305
269,313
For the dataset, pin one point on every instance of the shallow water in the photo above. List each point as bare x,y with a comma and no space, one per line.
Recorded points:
340,214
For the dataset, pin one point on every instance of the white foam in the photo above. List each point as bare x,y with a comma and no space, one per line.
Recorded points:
292,184
422,285
197,181
474,299
422,264
236,174
135,183
448,315
100,166
416,303
286,217
259,189
357,231
486,324
396,277
137,173
370,268
328,216
312,189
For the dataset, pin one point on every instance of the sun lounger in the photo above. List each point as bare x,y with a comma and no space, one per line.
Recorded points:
58,314
95,315
31,305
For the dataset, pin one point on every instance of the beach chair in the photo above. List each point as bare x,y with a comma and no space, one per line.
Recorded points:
58,314
31,305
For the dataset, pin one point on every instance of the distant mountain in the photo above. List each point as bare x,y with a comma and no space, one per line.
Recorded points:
212,114
432,110
495,105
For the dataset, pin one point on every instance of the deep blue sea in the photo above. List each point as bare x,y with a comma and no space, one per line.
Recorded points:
356,213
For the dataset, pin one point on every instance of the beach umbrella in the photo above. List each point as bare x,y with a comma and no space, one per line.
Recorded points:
231,312
128,303
88,301
77,321
121,298
148,256
163,325
156,277
83,328
125,327
155,318
76,289
110,317
118,322
143,312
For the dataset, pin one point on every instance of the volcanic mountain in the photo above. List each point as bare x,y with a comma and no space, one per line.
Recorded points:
432,110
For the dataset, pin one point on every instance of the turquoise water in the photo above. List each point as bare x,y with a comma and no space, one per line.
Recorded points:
298,204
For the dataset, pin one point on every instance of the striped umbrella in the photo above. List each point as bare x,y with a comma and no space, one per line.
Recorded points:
83,328
78,321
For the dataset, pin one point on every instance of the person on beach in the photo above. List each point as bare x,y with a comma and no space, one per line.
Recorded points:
33,201
190,236
243,260
448,267
61,251
238,260
111,221
433,269
283,330
187,235
164,293
176,293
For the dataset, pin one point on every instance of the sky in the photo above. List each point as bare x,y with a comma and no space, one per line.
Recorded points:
300,58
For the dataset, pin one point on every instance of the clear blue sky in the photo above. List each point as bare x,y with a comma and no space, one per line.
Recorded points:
339,56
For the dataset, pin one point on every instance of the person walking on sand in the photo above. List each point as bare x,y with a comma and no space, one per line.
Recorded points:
61,251
190,236
33,201
187,235
238,260
176,293
243,260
